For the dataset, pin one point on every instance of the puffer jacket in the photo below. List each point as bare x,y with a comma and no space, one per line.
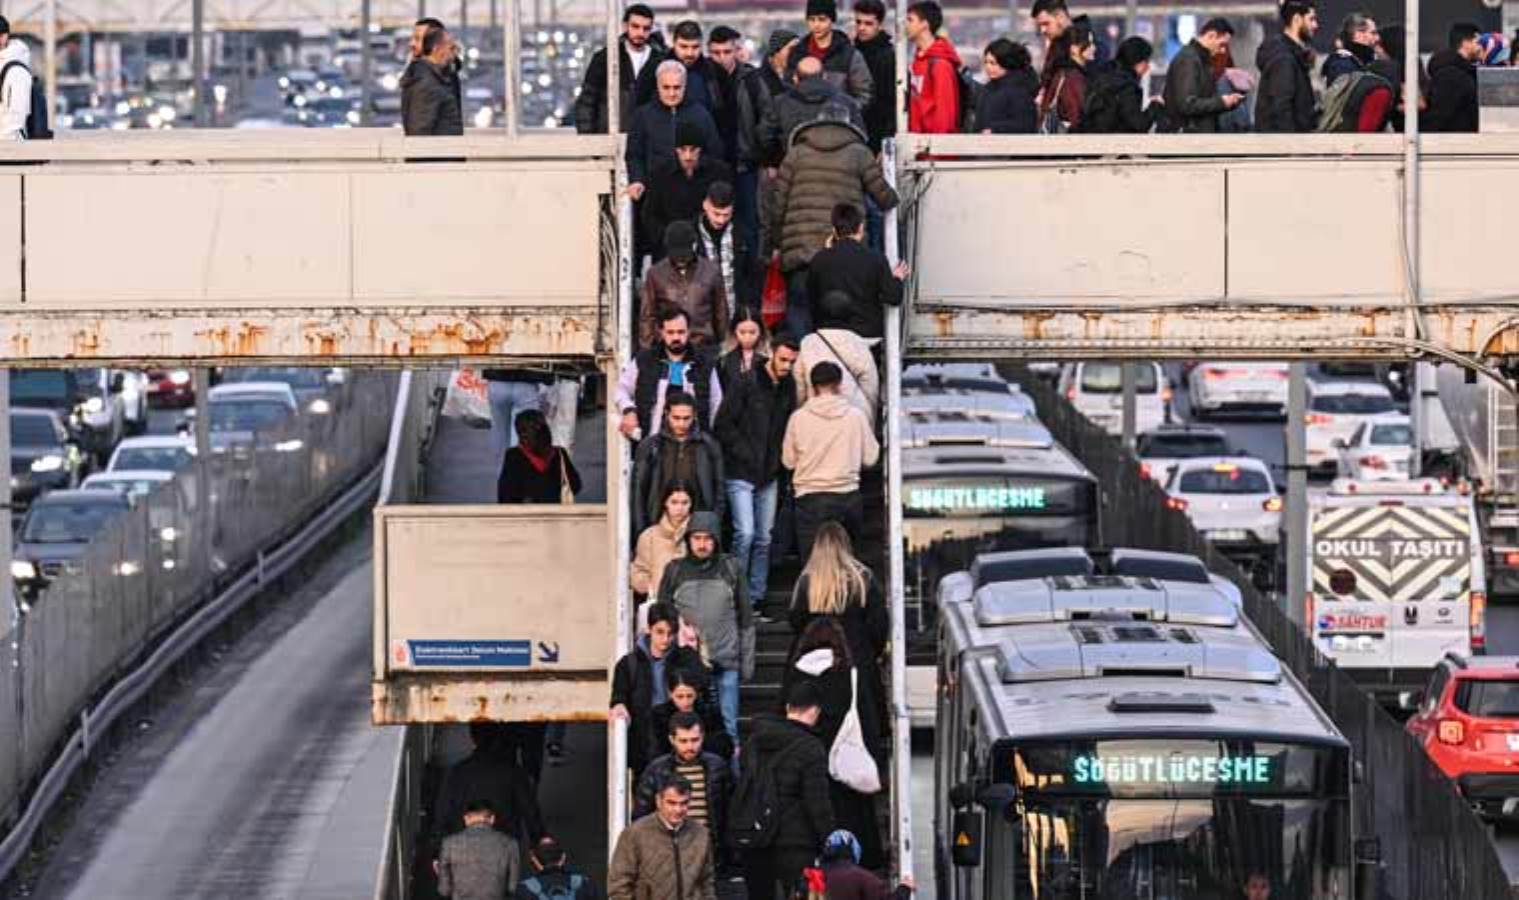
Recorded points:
828,164
711,595
804,809
652,862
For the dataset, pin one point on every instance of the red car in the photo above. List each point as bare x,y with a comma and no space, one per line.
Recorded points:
1468,723
170,387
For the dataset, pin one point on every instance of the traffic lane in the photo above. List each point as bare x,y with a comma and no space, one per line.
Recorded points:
1503,640
1261,438
274,784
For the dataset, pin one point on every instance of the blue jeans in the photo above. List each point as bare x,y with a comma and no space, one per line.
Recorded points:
727,698
875,225
798,304
753,519
507,398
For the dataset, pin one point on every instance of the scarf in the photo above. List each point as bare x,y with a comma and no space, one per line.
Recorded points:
540,464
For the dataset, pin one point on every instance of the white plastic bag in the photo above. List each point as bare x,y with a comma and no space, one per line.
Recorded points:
467,399
849,760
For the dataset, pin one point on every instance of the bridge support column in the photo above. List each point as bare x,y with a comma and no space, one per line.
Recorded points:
1295,545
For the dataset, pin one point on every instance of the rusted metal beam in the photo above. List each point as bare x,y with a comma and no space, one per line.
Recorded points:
441,697
374,336
1259,332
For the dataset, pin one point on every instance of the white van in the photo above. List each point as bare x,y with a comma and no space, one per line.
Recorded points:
1096,390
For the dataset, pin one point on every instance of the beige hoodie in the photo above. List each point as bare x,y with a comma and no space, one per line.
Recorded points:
861,386
827,442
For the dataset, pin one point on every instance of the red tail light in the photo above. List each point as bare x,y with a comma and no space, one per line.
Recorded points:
1070,393
1479,620
1511,559
1317,419
1272,504
1451,731
1373,462
1213,374
1145,471
1176,503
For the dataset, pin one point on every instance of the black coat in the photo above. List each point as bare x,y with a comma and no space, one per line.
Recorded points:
715,739
1452,94
673,196
864,275
815,99
757,89
633,687
430,98
1191,95
508,788
719,786
803,807
1006,105
591,104
880,112
519,482
651,136
751,424
866,630
1114,104
649,488
1284,101
730,368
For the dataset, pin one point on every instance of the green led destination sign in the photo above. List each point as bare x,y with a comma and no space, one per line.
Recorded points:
1239,771
990,498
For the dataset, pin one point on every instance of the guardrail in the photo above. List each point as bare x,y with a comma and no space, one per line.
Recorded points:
1432,845
159,579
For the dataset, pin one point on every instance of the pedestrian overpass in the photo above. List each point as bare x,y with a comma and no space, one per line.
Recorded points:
367,248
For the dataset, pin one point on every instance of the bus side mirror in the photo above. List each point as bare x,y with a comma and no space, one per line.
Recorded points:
965,842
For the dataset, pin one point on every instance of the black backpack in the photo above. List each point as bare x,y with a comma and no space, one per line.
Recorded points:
753,818
533,885
36,121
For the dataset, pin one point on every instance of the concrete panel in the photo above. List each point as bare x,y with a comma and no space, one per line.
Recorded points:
1294,225
112,239
10,239
449,235
1036,234
1466,231
496,588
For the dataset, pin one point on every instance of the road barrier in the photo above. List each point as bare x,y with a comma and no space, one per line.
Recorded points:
1432,844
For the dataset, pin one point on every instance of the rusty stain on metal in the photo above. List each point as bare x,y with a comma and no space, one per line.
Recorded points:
86,341
21,345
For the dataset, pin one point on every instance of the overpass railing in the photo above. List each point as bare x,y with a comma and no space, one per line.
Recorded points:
1264,246
160,577
1432,845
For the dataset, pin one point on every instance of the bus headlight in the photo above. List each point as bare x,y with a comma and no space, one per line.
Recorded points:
23,570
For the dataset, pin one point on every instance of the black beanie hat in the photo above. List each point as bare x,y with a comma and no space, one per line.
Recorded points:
827,8
688,134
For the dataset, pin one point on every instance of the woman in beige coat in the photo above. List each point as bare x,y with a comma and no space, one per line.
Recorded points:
659,544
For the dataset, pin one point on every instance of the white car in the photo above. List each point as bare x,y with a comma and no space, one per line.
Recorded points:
1379,450
253,412
1096,390
1237,387
1335,410
1160,451
1233,501
154,453
134,483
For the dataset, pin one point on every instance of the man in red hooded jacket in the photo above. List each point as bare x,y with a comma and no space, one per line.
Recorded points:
933,106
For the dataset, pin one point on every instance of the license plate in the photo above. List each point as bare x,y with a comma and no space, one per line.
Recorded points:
1513,742
1228,534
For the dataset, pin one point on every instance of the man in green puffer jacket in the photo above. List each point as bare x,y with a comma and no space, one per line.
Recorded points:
709,593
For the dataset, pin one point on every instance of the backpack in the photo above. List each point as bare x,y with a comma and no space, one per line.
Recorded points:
533,885
1341,104
36,121
752,814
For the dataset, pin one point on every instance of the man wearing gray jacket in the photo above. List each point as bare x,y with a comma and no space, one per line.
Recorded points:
478,863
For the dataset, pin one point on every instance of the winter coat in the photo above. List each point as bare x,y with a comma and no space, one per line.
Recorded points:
933,105
715,740
711,595
1452,94
1284,100
698,290
635,683
881,112
674,196
657,546
478,863
1114,104
651,136
16,99
644,381
591,104
704,87
864,275
803,808
1066,93
648,483
850,352
718,788
1340,62
519,482
827,442
1191,94
736,259
751,425
730,369
847,881
831,678
431,99
844,67
867,628
757,91
652,862
1006,105
813,100
828,164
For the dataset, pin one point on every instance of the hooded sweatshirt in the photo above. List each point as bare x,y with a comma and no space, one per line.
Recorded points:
827,442
16,92
1452,94
934,105
710,595
1284,101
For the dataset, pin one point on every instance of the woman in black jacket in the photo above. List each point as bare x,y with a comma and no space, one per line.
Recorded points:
1006,104
1114,102
746,349
687,688
534,470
